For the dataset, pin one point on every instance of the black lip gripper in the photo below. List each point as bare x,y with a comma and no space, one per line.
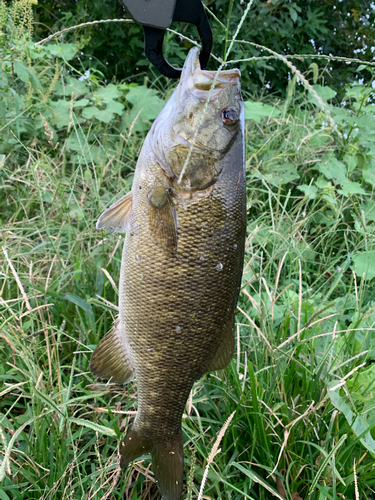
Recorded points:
156,16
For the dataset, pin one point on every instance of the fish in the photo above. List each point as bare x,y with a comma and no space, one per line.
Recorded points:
182,263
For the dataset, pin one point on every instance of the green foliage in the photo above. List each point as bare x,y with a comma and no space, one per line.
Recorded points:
301,385
287,27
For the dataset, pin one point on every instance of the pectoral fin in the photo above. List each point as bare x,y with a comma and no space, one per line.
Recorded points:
110,359
163,218
117,217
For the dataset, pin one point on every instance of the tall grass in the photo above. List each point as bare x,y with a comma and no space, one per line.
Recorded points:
299,393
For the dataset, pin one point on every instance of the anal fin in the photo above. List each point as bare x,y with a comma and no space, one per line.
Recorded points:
225,352
110,360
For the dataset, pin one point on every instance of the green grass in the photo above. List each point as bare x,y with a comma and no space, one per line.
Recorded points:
302,327
300,391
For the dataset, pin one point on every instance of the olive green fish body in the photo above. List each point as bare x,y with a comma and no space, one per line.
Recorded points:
181,267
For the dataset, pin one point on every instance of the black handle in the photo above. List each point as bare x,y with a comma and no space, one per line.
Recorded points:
154,26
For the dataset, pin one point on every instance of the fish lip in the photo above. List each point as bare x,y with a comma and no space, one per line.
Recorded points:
199,82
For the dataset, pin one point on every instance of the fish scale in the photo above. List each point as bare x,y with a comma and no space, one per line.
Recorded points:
181,265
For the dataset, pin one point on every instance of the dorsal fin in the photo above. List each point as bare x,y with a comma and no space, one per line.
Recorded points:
116,218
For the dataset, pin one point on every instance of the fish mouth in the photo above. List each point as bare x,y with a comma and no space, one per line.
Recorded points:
204,83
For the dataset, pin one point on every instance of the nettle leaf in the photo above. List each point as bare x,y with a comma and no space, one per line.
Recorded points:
280,173
65,51
146,102
349,187
332,168
364,263
257,110
21,71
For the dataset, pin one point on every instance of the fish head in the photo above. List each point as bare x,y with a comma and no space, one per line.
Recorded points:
205,115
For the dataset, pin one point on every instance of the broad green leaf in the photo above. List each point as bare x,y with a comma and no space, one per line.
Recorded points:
65,51
90,112
115,107
355,91
108,93
35,83
77,141
275,173
145,102
364,262
309,191
3,109
332,168
103,115
21,71
359,424
325,93
61,113
71,86
369,210
369,174
351,162
257,110
80,103
92,425
341,114
293,14
364,381
349,187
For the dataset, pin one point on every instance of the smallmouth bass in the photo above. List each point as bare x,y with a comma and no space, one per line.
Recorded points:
185,221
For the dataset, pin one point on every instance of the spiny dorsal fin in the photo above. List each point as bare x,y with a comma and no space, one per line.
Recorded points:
163,217
117,217
110,359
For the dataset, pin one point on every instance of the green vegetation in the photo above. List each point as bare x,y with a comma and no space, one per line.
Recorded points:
345,28
300,390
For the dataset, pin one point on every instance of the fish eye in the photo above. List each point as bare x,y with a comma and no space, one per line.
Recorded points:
229,115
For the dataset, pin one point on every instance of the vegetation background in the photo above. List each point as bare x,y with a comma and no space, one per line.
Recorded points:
293,416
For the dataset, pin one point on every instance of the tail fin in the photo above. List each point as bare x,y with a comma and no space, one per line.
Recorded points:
167,461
